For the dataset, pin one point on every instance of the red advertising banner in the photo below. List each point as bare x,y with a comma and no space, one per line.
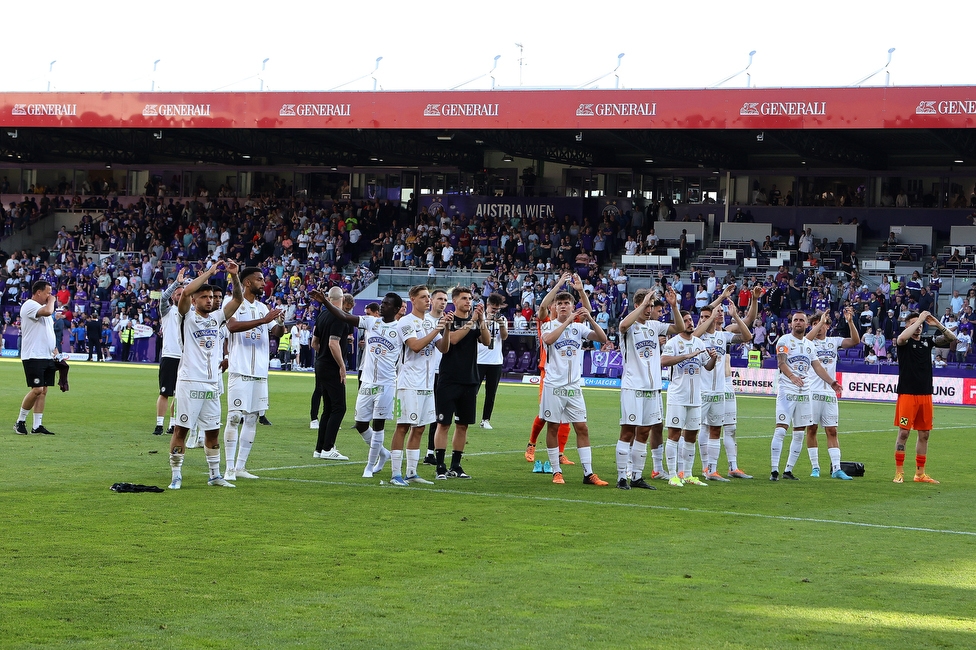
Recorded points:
926,107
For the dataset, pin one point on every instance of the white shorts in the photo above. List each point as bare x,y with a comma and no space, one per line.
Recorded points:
824,410
375,403
562,404
247,394
686,418
713,409
640,408
198,404
793,410
414,407
731,407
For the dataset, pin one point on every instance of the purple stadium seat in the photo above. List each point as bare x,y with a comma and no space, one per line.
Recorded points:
525,362
509,363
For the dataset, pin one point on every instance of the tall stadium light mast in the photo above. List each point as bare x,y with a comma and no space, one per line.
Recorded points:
884,69
50,71
521,60
372,74
261,76
612,72
153,87
490,73
745,69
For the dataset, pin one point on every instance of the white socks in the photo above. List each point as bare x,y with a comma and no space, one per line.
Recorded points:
586,460
714,451
703,449
623,456
159,420
413,459
657,459
689,457
731,451
776,447
796,448
638,458
814,454
176,464
248,432
230,439
23,415
213,461
38,417
553,453
671,456
396,462
834,453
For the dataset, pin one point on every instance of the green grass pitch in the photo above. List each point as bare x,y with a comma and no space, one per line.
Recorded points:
312,555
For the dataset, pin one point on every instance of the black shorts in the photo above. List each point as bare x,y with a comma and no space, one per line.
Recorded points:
456,402
169,368
40,372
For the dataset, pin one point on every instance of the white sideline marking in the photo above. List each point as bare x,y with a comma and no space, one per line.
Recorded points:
648,506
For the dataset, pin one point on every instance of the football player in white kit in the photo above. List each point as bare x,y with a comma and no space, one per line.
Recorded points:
562,396
377,386
795,357
824,404
169,361
414,407
247,383
640,387
198,384
731,405
713,381
688,356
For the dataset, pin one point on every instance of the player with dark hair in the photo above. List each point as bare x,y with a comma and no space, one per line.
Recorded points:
415,409
37,353
914,408
456,394
247,383
562,399
198,384
824,400
640,386
169,359
377,388
490,356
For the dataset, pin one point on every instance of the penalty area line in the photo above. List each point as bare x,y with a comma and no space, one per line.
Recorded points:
645,506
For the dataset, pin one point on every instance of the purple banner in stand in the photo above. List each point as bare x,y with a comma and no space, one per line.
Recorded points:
507,208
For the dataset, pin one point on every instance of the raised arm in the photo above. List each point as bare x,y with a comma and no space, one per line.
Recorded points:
854,337
744,334
168,292
187,298
238,296
946,336
543,312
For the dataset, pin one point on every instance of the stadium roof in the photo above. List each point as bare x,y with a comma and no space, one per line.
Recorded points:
768,129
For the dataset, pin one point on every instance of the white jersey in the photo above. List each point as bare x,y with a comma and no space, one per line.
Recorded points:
686,376
713,381
417,369
826,350
249,351
642,355
800,354
169,326
491,356
436,362
202,346
384,344
37,332
564,358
